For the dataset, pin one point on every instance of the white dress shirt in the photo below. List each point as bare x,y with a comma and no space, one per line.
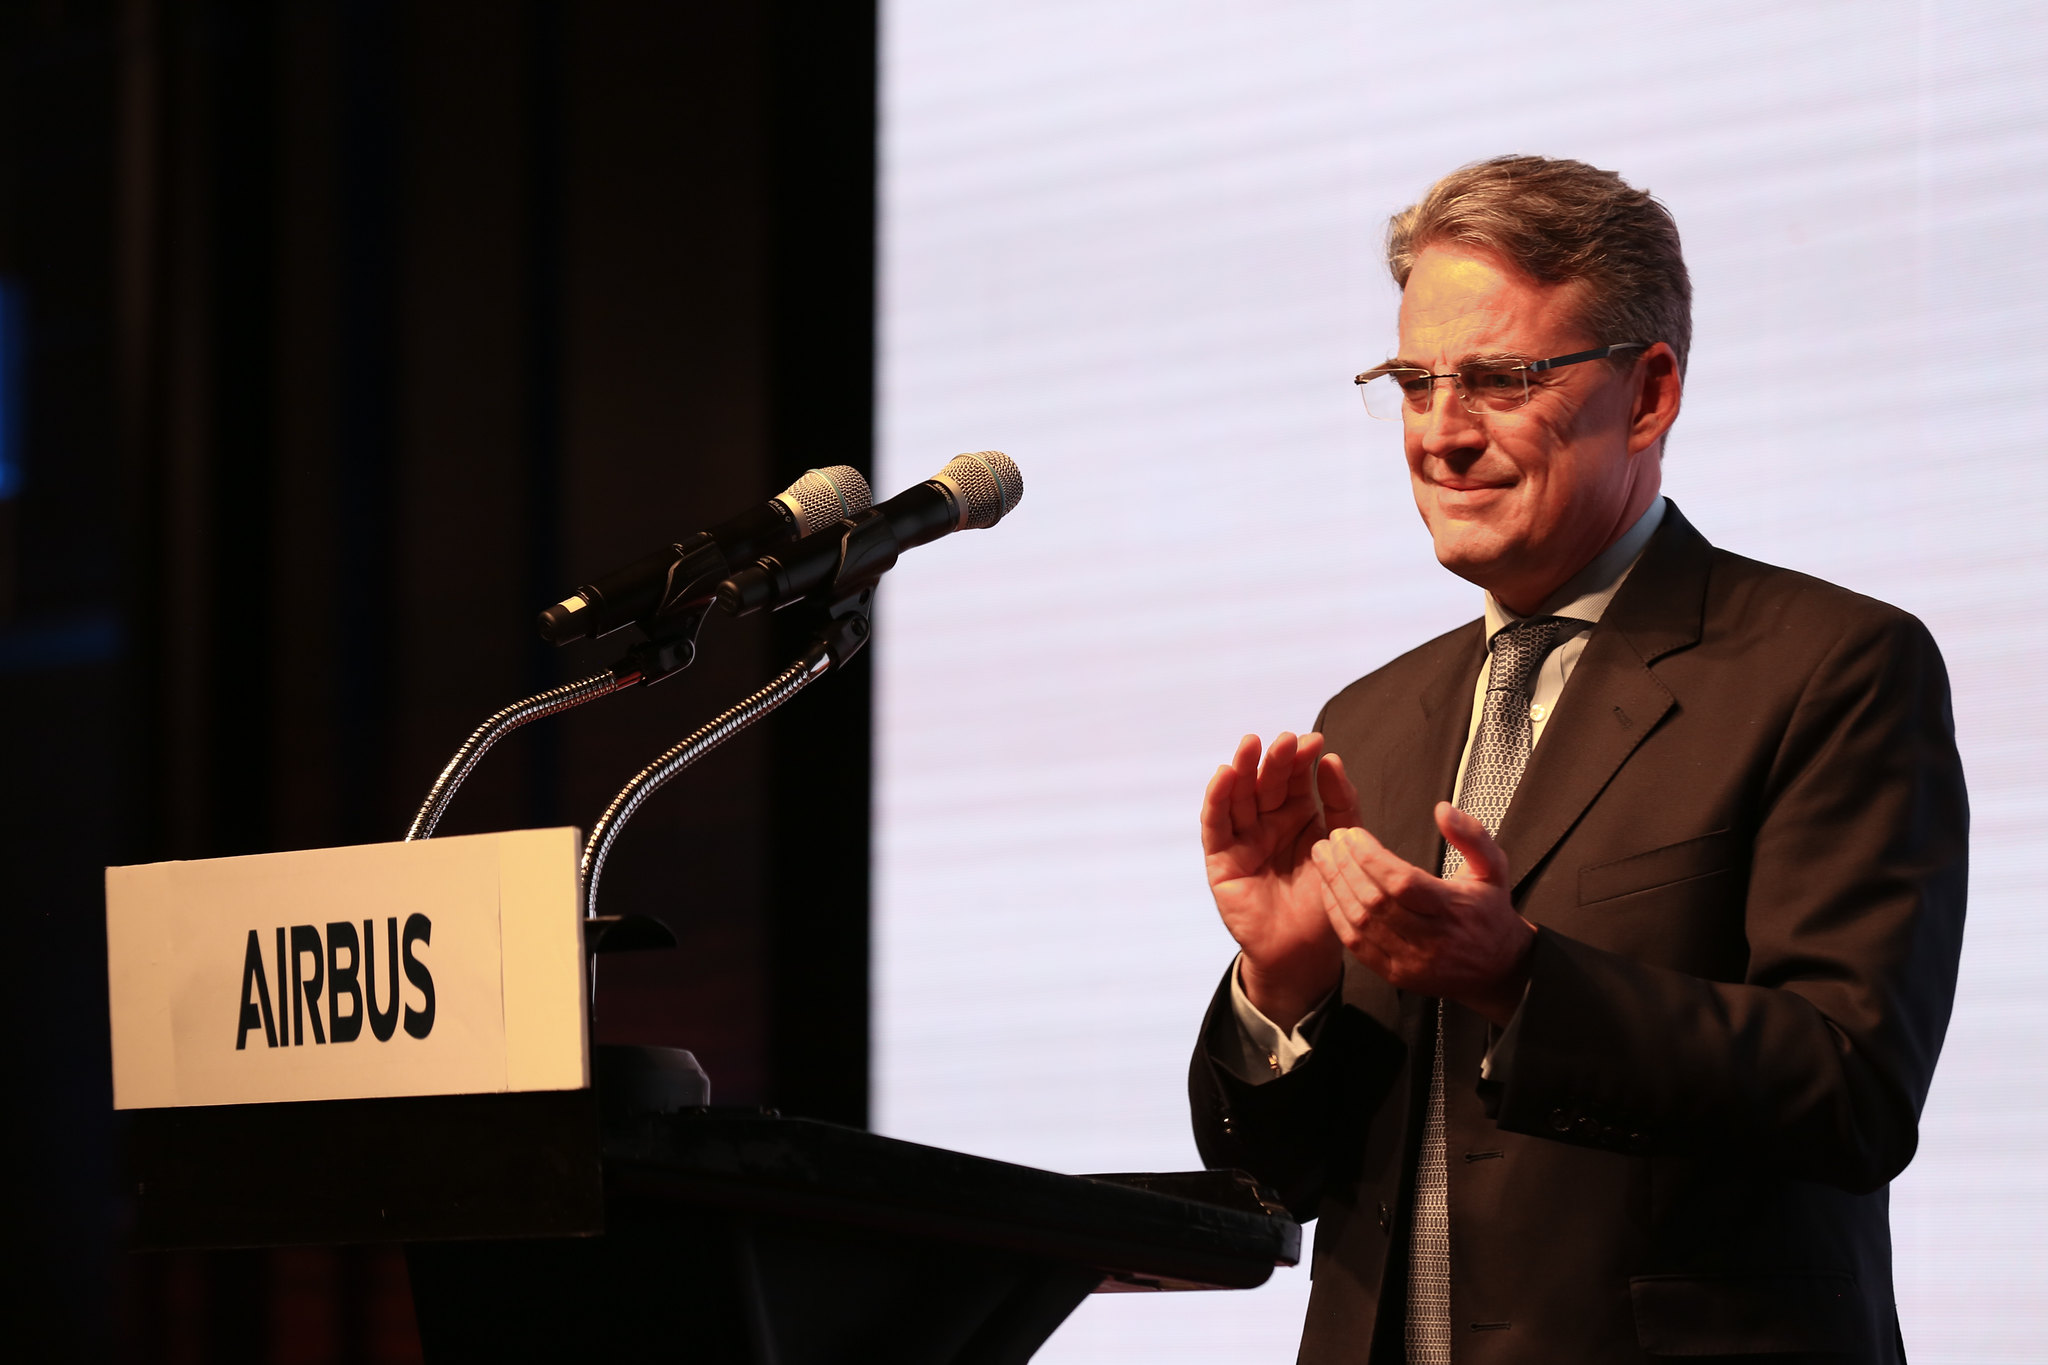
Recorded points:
1270,1052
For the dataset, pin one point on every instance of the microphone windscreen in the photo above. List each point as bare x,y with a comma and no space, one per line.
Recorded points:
824,496
986,485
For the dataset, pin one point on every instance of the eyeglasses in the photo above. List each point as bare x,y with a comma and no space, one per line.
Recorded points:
1394,391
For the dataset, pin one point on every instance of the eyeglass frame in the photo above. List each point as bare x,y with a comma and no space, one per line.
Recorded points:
1465,397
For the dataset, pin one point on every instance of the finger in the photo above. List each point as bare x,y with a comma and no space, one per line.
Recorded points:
1274,772
1340,798
1301,775
1378,943
1337,892
1368,926
1343,871
1341,914
1244,786
1216,827
1360,940
1485,860
1404,884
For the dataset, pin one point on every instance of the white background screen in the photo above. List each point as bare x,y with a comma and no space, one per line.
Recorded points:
1135,243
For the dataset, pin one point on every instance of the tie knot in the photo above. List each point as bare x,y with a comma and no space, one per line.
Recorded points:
1517,651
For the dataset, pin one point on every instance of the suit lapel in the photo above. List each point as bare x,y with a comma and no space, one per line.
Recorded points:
1613,699
1610,704
1423,762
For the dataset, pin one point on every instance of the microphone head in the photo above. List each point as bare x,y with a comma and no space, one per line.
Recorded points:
824,496
985,486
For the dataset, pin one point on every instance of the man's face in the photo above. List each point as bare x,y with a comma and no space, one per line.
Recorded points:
1519,501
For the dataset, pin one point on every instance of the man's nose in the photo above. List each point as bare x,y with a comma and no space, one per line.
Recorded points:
1447,426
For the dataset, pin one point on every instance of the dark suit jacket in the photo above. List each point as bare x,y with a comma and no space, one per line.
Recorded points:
1743,840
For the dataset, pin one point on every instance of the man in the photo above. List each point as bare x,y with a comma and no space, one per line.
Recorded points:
1595,956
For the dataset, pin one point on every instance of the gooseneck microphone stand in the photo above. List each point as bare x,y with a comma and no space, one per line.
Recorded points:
841,638
668,594
867,549
670,647
552,702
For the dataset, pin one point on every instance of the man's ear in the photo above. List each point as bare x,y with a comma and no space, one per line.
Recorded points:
1659,389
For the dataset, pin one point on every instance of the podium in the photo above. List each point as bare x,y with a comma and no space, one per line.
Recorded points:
451,1107
751,1238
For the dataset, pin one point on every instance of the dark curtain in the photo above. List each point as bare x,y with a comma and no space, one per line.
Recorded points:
353,332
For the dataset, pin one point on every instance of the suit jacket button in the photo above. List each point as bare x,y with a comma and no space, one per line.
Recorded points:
1589,1129
1560,1120
1229,1126
1386,1219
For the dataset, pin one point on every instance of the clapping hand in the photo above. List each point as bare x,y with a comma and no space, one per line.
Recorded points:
1259,827
1459,938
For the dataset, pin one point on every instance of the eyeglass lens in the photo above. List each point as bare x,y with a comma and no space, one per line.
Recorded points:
1481,389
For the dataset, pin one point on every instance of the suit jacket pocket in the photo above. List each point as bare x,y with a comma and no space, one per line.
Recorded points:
1724,1315
1701,857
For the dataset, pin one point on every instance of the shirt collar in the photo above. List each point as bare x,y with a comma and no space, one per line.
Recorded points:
1586,595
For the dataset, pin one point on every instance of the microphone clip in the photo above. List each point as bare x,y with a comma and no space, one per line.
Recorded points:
671,628
867,550
670,646
848,624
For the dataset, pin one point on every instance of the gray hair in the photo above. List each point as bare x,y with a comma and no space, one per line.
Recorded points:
1557,221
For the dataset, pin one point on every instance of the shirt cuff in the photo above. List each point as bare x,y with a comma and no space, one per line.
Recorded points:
1268,1051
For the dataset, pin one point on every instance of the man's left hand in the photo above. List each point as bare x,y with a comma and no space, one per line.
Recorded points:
1458,938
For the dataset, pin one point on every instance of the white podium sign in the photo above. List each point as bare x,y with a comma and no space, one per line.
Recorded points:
445,966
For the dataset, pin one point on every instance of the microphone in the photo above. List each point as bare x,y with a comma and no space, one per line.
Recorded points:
644,588
972,492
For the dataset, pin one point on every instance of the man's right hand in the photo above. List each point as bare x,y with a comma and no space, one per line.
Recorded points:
1259,824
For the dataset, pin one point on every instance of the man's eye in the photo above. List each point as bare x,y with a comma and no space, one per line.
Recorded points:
1490,381
1413,383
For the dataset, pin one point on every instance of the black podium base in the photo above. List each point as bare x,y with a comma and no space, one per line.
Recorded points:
671,1283
745,1239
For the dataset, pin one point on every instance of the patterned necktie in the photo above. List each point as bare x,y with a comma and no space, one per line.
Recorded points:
1500,750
